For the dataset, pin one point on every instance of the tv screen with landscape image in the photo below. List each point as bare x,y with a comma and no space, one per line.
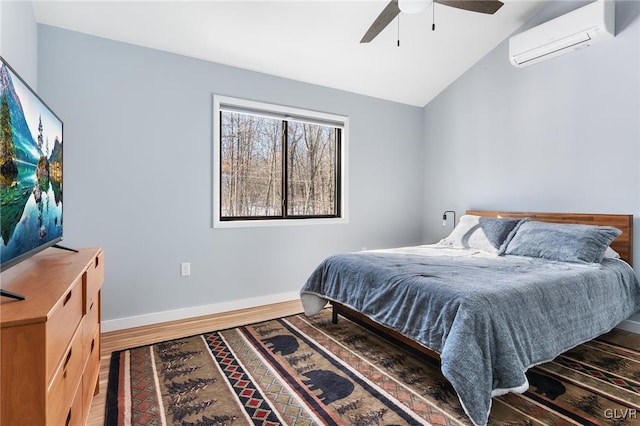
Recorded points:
30,171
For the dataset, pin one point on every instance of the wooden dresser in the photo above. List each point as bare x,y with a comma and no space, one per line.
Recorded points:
50,342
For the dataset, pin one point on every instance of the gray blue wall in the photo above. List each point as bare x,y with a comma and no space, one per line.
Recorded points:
138,152
19,39
562,135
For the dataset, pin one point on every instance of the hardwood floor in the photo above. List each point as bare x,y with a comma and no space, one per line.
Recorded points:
624,338
140,336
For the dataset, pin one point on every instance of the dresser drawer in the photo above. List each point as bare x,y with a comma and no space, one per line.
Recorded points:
74,414
66,382
92,346
91,372
94,279
92,317
62,324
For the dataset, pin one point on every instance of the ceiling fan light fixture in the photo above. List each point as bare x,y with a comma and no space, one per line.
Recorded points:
413,6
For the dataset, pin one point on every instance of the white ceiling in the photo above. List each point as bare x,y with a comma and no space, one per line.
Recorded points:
315,41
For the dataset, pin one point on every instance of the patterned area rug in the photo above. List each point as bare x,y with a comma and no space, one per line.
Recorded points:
308,371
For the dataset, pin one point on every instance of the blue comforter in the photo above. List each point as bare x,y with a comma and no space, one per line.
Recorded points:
490,318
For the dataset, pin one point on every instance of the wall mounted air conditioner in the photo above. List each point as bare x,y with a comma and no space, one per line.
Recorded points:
583,27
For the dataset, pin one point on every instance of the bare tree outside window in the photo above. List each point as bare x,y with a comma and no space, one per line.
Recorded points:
312,176
275,168
251,171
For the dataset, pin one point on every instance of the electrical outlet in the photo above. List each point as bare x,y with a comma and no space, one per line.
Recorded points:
185,269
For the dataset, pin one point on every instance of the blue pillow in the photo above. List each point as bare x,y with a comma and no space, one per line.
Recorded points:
488,234
562,241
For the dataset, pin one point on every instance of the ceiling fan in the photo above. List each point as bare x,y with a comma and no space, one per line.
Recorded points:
394,8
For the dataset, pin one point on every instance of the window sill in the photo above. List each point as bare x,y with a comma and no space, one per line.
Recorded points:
220,224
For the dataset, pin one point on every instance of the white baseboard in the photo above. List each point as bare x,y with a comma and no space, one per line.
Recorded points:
628,325
196,311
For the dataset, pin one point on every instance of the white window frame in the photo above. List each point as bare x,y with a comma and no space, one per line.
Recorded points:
281,112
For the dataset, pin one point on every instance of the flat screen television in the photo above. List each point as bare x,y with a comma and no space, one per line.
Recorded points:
30,171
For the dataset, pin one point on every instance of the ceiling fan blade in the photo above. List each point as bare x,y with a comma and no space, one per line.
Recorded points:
482,6
387,15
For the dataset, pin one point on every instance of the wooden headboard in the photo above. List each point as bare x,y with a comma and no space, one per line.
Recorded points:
624,222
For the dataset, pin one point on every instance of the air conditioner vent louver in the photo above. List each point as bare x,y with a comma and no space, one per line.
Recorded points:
583,27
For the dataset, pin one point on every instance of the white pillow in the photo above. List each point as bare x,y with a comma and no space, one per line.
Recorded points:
488,234
610,253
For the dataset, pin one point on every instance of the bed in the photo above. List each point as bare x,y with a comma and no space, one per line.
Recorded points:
490,307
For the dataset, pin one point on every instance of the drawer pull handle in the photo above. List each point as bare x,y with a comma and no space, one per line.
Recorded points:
91,306
67,298
97,261
66,360
68,421
93,344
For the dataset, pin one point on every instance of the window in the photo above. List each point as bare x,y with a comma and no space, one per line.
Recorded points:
277,165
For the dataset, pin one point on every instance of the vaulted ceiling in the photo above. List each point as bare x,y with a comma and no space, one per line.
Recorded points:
315,41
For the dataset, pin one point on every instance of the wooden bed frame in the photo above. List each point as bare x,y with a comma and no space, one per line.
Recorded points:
623,245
